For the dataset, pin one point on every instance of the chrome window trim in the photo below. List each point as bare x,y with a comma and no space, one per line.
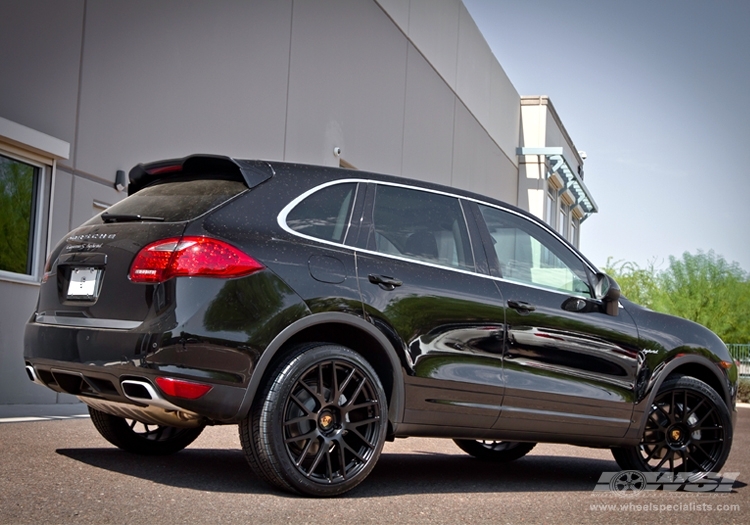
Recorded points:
281,220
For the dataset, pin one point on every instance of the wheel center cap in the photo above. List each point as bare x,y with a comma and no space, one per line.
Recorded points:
326,420
677,437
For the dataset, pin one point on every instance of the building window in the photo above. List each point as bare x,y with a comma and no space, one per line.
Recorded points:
574,232
550,211
562,221
20,184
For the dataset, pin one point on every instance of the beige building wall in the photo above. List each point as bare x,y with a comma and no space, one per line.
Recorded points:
543,188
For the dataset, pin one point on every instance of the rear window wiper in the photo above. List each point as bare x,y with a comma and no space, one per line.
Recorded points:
113,217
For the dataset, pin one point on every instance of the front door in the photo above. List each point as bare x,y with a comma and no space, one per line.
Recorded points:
569,368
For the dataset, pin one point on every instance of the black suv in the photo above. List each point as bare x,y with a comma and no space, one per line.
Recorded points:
325,311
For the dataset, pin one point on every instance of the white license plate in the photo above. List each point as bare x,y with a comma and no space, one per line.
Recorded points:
84,283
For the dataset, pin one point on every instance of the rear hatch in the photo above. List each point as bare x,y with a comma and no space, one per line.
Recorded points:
86,281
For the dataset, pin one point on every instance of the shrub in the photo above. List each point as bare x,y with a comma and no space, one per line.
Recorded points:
743,390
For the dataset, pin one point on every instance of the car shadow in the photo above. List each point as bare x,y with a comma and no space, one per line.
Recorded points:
221,470
446,473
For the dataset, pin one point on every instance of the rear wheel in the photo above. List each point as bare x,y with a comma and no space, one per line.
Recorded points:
498,451
141,438
689,429
318,427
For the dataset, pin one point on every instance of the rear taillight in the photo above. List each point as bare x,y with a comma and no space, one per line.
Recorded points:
181,388
190,257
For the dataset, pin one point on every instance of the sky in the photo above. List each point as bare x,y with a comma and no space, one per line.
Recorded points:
655,92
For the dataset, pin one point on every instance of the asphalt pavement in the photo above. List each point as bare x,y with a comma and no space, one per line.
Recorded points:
60,470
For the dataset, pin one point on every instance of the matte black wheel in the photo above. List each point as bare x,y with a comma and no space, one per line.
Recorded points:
318,427
141,438
688,429
498,451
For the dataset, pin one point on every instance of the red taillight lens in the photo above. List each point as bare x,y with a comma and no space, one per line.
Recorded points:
181,388
190,257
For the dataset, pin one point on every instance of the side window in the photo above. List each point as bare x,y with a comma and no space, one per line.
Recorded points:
325,213
420,225
530,255
19,183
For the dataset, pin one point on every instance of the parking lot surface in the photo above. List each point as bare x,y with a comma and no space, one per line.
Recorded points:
62,471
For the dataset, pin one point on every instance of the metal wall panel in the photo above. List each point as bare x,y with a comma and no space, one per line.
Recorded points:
166,79
40,49
347,85
428,123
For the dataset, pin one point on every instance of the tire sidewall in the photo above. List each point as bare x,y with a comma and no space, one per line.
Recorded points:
117,431
271,421
514,451
630,458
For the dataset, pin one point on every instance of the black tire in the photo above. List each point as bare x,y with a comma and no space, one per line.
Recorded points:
689,429
318,426
497,451
140,438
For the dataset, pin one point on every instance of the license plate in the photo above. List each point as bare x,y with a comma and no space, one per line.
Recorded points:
84,283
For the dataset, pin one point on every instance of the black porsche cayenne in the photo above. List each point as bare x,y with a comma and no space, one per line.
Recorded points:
325,311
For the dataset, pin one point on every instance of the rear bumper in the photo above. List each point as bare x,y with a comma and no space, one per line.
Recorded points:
121,367
136,387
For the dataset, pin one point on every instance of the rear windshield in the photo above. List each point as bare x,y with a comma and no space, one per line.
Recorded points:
178,200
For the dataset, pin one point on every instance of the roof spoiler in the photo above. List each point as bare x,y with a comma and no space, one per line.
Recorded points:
253,172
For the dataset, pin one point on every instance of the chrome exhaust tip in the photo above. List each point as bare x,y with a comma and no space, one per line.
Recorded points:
145,393
32,375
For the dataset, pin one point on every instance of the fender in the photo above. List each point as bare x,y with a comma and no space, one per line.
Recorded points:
641,409
396,407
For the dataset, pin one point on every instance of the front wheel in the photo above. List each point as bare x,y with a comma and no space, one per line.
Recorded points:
142,438
318,427
689,429
497,451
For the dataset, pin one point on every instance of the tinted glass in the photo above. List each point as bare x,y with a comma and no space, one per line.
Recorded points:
530,255
421,225
325,213
178,200
17,181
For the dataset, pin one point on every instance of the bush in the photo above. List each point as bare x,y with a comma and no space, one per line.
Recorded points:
743,391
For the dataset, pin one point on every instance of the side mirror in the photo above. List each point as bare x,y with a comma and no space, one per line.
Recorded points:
607,291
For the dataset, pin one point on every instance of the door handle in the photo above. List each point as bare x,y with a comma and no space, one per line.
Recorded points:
385,282
521,306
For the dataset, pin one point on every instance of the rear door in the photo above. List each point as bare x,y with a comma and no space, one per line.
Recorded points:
421,285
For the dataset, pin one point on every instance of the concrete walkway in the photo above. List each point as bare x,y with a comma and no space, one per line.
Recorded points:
21,413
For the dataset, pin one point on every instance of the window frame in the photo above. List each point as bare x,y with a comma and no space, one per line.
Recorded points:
346,226
479,237
494,262
40,150
39,228
575,232
369,223
563,218
551,205
350,227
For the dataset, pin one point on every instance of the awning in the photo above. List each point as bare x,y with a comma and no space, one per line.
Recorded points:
573,181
